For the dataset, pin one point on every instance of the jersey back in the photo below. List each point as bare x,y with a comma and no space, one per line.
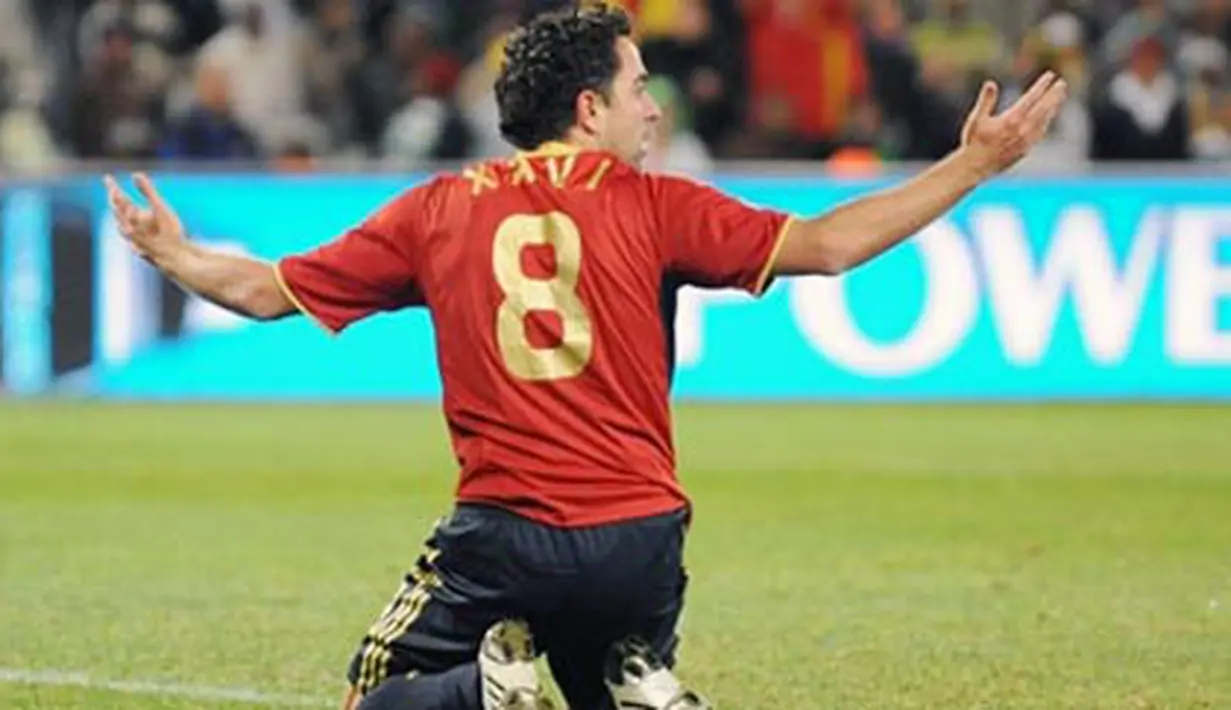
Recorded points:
543,276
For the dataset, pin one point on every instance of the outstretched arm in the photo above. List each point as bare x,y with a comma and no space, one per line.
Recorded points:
240,284
860,230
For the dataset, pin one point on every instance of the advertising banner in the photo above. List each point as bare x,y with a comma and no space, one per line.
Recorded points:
1090,288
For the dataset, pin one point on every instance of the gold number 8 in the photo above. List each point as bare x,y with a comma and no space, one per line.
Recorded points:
523,294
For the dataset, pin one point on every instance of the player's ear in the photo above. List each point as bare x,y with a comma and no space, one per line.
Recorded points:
590,105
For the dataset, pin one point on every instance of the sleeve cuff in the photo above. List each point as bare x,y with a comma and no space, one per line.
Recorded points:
299,305
763,280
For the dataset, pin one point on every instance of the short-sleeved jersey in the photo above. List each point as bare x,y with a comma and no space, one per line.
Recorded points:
543,276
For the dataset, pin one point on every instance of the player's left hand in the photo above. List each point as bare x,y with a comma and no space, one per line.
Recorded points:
996,142
152,232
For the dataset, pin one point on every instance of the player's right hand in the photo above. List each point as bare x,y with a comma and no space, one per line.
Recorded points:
153,232
995,143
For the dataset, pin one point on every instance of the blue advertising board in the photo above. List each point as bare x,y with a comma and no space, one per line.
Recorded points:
1092,288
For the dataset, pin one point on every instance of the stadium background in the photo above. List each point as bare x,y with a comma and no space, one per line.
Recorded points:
1098,271
1031,513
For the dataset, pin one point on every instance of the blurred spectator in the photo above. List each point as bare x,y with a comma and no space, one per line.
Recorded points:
209,130
807,69
413,67
1059,43
676,148
1062,40
918,123
1211,139
655,18
295,157
699,52
154,29
1144,116
1203,46
476,91
428,128
25,140
412,80
26,143
20,51
333,53
115,114
854,161
152,21
1069,23
1151,18
257,50
958,49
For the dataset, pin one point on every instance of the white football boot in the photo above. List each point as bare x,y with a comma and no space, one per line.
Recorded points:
509,679
638,680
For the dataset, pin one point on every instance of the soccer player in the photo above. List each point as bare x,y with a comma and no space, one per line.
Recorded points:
543,275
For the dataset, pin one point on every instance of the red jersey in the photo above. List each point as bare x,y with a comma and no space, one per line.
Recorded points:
543,278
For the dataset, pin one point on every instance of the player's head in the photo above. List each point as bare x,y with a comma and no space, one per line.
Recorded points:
576,75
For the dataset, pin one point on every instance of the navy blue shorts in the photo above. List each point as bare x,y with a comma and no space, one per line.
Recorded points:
581,589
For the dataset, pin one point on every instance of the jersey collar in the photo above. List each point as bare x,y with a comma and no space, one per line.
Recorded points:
549,149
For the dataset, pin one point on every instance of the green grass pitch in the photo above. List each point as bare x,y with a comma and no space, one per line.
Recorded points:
843,557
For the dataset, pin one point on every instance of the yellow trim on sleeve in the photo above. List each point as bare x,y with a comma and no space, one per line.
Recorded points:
299,306
768,269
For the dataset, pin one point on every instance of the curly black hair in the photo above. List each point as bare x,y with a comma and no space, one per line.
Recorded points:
548,61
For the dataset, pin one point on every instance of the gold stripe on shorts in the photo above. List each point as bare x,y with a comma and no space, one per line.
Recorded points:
407,606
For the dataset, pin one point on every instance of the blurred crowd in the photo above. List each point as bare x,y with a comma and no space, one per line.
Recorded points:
290,83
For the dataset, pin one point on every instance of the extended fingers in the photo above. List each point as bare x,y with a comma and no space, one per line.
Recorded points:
121,205
989,95
1040,116
1037,92
146,186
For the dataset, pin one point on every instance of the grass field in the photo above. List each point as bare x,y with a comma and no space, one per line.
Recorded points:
844,557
